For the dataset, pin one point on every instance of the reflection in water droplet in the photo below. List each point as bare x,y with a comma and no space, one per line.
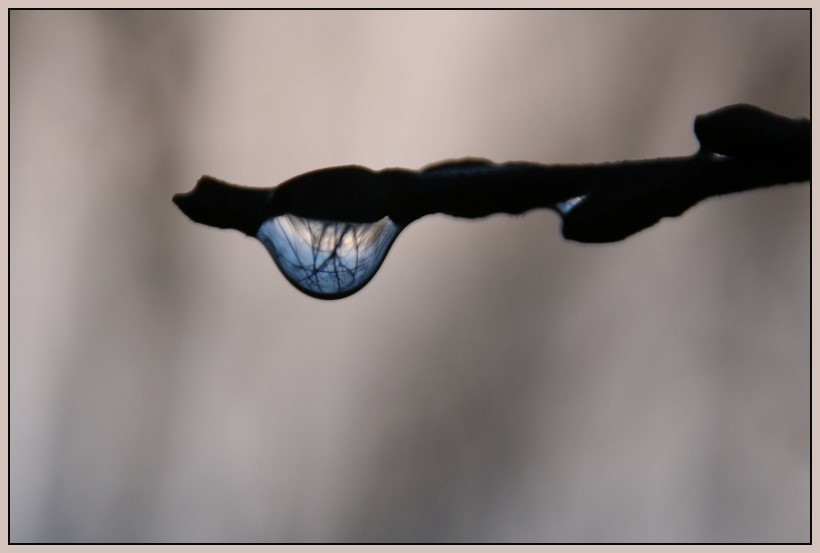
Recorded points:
327,259
568,205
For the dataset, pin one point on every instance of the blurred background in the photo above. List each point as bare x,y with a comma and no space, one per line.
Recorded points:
493,382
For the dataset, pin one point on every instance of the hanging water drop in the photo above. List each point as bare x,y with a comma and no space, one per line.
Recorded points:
327,259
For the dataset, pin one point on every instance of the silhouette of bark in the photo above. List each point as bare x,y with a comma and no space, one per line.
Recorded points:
742,148
329,230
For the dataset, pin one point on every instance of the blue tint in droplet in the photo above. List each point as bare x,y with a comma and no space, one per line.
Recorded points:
327,259
568,205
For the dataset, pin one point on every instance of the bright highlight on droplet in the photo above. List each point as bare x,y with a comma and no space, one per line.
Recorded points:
568,205
327,259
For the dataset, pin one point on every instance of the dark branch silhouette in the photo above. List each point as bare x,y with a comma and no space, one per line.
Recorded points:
329,230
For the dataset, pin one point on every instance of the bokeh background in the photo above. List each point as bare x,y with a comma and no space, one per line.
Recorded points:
493,382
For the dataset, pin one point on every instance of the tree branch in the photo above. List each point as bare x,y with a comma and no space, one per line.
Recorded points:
742,147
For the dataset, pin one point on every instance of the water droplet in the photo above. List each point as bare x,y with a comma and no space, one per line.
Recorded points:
568,205
327,259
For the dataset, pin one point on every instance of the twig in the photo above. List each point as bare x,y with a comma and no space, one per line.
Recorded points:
742,147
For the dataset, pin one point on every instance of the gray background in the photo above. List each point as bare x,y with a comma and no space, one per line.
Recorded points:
493,382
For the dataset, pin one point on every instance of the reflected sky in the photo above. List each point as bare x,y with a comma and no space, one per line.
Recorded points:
327,259
566,206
